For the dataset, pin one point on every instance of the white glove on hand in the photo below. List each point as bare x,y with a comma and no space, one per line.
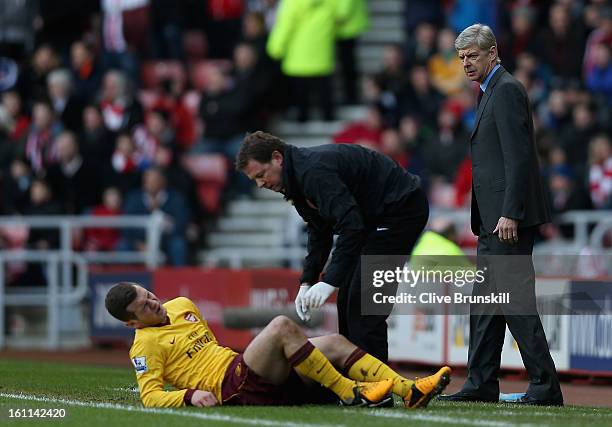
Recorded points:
301,307
318,294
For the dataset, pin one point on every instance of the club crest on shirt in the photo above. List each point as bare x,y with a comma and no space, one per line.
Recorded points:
140,364
190,317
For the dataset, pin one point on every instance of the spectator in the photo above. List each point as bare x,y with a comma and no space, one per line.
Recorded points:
124,30
74,181
354,22
254,33
223,26
367,132
96,141
565,195
156,196
67,107
17,188
555,112
37,148
561,44
303,39
391,145
445,67
413,139
166,29
392,77
178,178
422,45
42,203
149,136
374,93
85,72
13,126
32,81
575,136
601,34
120,110
421,98
449,146
104,239
222,109
182,121
255,83
40,239
600,171
530,74
124,170
599,79
521,35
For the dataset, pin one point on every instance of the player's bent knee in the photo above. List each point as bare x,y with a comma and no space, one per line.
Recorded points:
282,325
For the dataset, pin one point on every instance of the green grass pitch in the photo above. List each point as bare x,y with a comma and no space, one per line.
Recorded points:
95,396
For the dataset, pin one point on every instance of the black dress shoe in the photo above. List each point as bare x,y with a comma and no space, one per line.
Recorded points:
462,396
528,400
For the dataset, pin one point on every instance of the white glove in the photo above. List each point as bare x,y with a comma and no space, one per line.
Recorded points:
318,294
301,307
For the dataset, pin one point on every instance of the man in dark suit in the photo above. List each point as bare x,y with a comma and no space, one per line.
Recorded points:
508,204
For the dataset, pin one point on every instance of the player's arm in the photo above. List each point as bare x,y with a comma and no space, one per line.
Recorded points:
148,360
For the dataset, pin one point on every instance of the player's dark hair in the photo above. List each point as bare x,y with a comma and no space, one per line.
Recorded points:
118,298
258,146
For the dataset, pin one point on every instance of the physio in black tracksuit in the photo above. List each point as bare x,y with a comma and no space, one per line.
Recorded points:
508,204
372,204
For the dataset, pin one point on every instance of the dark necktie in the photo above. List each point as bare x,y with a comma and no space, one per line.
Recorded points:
480,93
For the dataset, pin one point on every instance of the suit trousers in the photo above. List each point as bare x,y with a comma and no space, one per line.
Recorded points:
398,232
508,268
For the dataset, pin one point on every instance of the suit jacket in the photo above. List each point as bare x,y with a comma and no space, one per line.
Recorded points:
505,172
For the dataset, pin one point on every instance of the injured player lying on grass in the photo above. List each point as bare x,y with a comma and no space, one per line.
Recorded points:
173,344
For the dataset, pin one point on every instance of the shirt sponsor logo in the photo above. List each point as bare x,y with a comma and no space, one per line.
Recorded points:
198,345
190,317
140,364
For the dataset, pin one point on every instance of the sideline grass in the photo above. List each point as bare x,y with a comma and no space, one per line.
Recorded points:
95,396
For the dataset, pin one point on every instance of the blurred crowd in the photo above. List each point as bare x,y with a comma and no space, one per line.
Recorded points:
113,107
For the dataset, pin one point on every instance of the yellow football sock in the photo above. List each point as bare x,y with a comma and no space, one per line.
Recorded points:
368,368
318,368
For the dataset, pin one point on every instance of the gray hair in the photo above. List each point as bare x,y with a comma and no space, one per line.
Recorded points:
477,35
60,77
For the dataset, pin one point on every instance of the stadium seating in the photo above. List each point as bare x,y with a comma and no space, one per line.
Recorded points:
210,173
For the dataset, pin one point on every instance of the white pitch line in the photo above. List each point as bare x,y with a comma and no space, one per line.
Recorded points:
162,411
411,416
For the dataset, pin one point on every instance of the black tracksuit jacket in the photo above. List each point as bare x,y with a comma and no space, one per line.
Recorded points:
341,189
